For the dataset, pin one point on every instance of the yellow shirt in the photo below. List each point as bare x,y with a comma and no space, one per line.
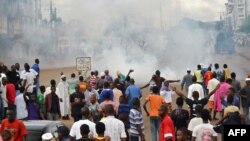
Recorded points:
198,76
227,73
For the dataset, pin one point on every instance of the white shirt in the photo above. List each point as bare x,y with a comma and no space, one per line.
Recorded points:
21,107
195,87
23,72
29,77
167,95
212,84
75,129
114,128
3,90
88,93
2,75
194,122
48,91
3,95
204,131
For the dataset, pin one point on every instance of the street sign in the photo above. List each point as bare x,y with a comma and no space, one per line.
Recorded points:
83,63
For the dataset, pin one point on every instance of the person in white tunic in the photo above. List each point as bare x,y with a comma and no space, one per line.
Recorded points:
195,87
64,97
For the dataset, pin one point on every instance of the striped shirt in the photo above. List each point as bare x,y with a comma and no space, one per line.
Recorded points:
135,118
92,81
114,128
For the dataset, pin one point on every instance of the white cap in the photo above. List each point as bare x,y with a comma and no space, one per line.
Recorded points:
102,74
188,69
47,136
247,79
63,76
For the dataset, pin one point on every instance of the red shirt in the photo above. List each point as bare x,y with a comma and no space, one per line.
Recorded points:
167,129
17,128
10,93
208,76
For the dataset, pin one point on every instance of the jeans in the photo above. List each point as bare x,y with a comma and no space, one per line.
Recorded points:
246,114
155,124
134,138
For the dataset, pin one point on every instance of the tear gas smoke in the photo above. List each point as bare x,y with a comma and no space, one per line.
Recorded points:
122,35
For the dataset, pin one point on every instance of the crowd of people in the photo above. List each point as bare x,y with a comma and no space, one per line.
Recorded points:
109,109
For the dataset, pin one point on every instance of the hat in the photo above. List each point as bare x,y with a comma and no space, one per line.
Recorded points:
247,79
63,76
102,74
188,69
118,73
47,136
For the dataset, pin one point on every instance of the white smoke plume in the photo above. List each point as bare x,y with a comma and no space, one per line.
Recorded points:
144,35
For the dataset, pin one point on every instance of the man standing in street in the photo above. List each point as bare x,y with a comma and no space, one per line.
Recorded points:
132,91
52,106
187,80
14,125
245,99
77,102
167,130
36,68
64,98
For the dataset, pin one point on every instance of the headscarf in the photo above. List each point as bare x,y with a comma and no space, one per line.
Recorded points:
164,87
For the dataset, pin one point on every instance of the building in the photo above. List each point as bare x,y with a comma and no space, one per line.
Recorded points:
17,15
236,12
17,18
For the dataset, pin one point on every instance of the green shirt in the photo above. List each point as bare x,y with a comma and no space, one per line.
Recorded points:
40,100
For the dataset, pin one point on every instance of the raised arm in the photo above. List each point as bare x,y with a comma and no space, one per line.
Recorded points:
212,92
145,86
130,71
25,94
173,81
179,93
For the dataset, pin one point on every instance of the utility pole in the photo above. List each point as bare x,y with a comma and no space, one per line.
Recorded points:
51,14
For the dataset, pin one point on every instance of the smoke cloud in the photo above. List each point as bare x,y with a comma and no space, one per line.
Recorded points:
144,35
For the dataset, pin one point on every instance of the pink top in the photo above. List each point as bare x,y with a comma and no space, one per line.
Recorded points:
221,91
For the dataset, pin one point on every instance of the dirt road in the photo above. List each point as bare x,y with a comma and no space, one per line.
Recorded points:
47,75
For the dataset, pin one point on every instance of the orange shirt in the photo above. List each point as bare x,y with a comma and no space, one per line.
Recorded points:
208,76
155,102
17,128
83,86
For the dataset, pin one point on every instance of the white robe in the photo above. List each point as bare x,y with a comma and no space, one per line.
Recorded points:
64,95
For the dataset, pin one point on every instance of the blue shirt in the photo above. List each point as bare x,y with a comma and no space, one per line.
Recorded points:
33,111
36,68
132,91
104,93
123,108
236,102
123,113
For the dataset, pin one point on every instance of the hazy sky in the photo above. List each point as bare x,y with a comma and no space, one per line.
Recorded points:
206,10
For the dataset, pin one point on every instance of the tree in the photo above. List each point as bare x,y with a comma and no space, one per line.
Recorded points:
245,27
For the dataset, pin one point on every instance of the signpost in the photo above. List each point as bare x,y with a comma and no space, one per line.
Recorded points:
83,64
